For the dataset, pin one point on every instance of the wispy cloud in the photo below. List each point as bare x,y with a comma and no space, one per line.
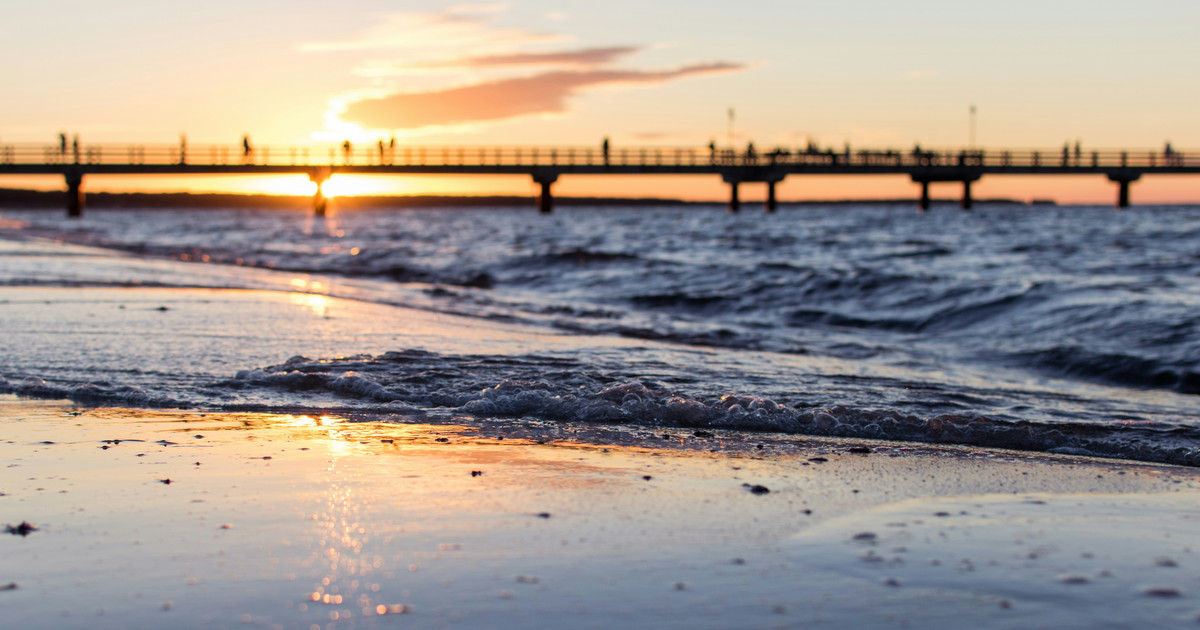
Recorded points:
446,30
506,98
581,57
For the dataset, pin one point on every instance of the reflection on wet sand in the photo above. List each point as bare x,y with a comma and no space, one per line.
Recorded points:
319,520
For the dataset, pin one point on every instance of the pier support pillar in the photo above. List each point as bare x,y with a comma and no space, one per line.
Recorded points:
771,204
966,198
1123,180
75,195
924,202
735,204
320,201
545,198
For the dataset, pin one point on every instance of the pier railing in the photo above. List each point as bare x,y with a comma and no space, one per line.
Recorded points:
533,156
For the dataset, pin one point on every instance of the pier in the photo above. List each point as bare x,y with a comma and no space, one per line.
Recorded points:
546,165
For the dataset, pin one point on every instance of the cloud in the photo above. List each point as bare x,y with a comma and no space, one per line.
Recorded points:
581,57
505,98
454,28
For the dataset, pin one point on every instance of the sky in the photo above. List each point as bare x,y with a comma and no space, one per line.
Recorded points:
666,73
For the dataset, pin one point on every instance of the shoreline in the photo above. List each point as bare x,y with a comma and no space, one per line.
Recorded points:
43,199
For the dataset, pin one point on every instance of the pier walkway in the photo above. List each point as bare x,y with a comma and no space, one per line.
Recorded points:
546,164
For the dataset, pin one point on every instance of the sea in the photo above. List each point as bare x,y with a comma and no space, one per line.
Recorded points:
1059,329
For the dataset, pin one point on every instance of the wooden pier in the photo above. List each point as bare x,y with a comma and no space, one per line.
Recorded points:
545,165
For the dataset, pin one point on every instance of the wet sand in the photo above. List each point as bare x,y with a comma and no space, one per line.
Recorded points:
149,518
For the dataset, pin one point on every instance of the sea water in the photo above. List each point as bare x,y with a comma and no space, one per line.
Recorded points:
1060,329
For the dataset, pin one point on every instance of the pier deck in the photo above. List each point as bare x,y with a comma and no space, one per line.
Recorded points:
546,164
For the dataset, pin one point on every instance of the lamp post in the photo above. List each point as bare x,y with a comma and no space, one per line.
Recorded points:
730,129
971,134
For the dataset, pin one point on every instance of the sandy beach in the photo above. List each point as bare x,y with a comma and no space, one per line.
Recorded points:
147,518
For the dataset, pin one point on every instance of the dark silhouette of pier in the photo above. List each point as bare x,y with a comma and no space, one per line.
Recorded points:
545,165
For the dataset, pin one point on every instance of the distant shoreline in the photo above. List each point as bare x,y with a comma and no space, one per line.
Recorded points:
50,199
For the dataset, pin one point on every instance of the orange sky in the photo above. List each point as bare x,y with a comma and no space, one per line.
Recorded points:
871,73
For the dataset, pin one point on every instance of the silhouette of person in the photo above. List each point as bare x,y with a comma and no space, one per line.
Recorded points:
183,148
712,151
381,150
346,150
604,149
750,156
1066,153
1169,153
1078,152
75,147
247,150
62,144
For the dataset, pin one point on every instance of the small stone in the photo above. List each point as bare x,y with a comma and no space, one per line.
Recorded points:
165,481
647,477
22,530
543,515
866,536
476,473
860,449
757,489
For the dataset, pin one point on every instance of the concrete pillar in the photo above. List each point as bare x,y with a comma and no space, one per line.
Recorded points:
1123,193
924,203
75,196
966,198
735,204
545,198
1123,181
320,201
770,205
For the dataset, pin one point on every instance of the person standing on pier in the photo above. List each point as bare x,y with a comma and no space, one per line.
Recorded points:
62,143
75,147
346,149
604,149
182,148
247,151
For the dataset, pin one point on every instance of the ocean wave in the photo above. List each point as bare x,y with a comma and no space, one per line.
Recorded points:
549,388
561,390
1115,368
